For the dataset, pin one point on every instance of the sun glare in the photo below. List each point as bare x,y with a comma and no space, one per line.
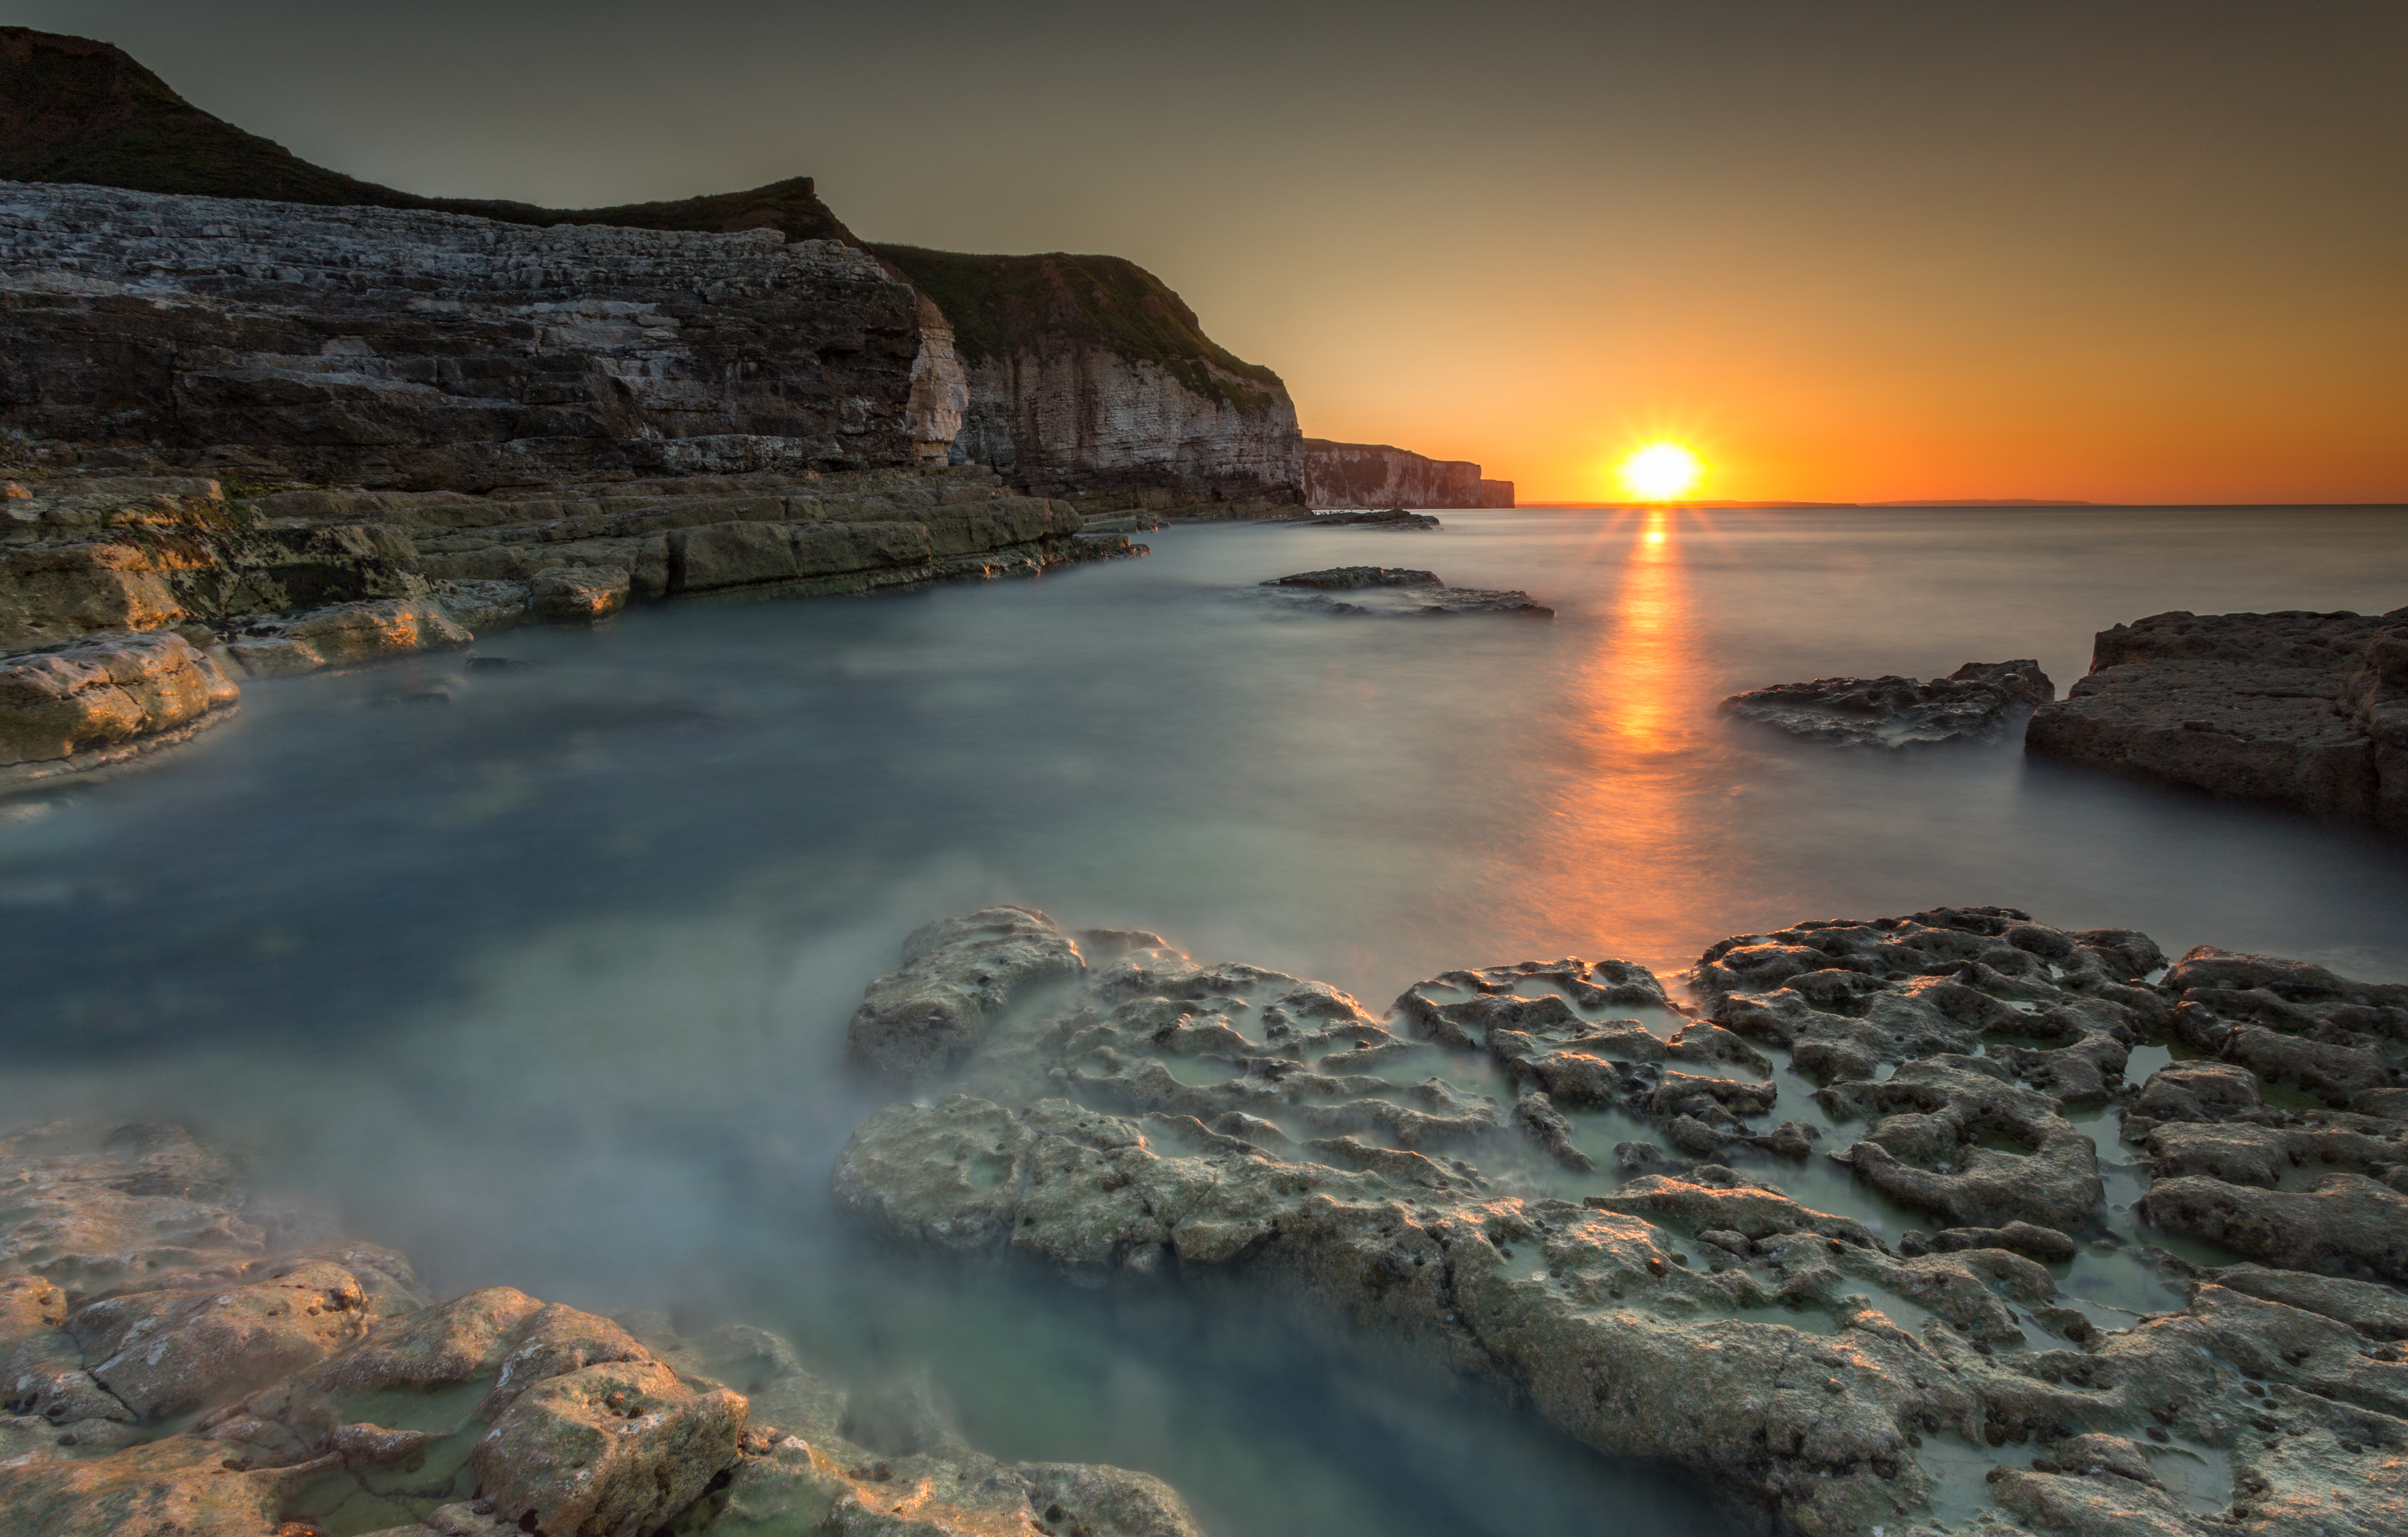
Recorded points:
1660,471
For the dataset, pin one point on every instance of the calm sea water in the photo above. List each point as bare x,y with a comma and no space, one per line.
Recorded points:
546,985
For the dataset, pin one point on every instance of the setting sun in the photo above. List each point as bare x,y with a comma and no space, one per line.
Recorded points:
1660,471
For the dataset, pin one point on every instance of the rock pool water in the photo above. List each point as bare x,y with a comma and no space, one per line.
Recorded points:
546,985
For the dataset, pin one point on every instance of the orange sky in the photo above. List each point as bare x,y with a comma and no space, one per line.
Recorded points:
1860,250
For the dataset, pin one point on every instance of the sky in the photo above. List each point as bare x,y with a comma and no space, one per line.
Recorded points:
2115,251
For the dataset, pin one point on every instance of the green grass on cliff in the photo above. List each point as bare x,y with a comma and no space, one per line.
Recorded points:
998,304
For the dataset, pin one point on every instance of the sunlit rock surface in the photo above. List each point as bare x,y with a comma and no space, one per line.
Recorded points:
1976,701
103,700
1445,1177
181,1358
2307,709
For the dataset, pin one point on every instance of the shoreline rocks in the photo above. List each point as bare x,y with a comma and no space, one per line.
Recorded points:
102,701
1974,703
1168,1118
177,1356
2310,710
280,582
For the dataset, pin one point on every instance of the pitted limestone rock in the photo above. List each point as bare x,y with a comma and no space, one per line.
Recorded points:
176,1368
1975,701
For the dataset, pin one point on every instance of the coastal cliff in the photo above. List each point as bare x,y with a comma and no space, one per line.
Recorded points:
1376,474
410,348
1089,378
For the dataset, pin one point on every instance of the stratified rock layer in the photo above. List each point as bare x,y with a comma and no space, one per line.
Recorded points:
386,346
177,1362
1975,701
2307,709
1231,1121
103,699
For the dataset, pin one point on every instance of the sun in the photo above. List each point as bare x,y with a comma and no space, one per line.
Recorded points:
1659,471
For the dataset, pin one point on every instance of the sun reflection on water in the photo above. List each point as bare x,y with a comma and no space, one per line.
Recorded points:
1627,818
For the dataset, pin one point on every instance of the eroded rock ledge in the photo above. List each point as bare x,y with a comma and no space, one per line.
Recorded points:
2307,709
179,1358
1447,1176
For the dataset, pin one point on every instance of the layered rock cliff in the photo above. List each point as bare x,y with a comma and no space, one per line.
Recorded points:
1088,377
1376,474
396,348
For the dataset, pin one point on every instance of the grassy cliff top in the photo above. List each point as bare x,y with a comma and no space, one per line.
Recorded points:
1000,303
73,109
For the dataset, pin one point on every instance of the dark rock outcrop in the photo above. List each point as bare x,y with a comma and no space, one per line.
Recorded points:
1373,475
1975,701
2307,709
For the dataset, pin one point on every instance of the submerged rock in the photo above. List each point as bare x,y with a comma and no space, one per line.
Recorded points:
2307,709
1976,700
180,1361
1343,1162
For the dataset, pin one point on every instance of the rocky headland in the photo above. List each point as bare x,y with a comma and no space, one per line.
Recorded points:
1557,1178
2310,710
1374,475
183,1356
1976,701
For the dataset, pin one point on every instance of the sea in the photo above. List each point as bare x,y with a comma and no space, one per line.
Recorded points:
540,974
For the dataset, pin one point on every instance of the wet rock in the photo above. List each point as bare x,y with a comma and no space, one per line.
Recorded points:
2306,709
1348,577
1538,1116
2376,1311
577,595
1923,1151
2200,1091
2045,1245
346,634
1383,518
104,700
1398,592
331,1396
2344,1225
1977,700
1077,1148
957,974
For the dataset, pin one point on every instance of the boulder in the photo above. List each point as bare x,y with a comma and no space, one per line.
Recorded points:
105,700
1975,701
575,595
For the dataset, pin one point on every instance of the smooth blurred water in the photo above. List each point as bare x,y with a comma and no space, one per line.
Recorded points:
546,985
